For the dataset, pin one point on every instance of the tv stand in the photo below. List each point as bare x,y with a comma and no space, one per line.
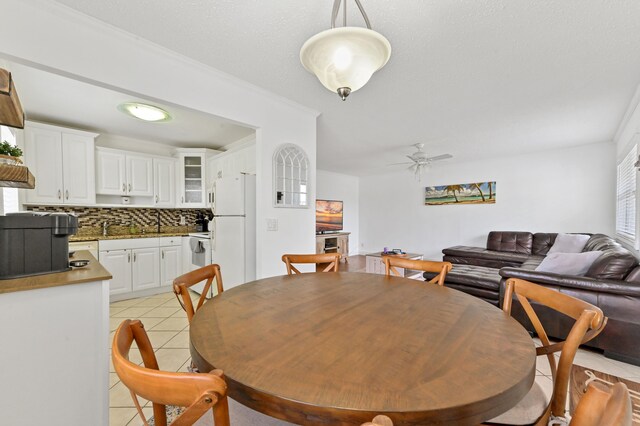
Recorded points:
335,242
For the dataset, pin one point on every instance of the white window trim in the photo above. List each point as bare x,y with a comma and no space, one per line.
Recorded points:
631,240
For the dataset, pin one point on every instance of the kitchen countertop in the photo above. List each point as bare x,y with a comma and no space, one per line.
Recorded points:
82,238
94,271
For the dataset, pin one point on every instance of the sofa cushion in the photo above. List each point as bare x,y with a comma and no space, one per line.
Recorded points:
569,243
472,276
517,242
480,253
569,263
616,261
542,242
489,296
600,242
634,275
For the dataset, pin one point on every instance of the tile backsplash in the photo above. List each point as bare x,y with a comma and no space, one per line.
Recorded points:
90,219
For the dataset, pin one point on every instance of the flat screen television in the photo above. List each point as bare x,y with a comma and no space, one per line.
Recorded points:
328,216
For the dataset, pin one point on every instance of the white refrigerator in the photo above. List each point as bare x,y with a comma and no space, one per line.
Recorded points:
233,228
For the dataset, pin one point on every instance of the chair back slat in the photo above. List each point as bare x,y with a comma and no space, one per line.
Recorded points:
590,322
196,391
441,268
331,259
183,283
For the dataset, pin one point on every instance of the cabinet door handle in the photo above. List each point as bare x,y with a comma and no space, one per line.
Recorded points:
182,199
129,187
129,258
124,188
156,199
59,194
163,254
134,257
66,194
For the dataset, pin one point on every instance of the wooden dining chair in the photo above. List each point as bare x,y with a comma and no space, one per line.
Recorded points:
379,420
331,260
599,407
197,392
183,283
441,268
534,409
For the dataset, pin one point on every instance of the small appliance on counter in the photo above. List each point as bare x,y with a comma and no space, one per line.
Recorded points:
202,223
35,243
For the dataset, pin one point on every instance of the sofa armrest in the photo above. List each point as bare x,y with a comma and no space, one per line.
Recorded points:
570,281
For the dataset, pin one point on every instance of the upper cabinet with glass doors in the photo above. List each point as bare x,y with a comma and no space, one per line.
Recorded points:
192,190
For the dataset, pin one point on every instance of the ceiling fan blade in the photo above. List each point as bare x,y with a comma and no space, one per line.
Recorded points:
440,157
412,167
400,164
410,157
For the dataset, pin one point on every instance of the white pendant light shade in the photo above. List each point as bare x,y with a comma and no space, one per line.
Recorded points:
345,58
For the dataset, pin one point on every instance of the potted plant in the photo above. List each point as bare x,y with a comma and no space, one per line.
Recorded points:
9,154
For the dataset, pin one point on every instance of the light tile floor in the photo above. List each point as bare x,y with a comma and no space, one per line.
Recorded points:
167,326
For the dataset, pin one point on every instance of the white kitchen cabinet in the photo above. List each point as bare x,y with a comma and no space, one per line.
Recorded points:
170,264
145,268
78,173
118,263
241,160
164,182
63,164
139,175
192,182
141,266
111,172
123,173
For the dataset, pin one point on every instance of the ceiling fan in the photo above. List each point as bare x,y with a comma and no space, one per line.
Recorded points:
420,161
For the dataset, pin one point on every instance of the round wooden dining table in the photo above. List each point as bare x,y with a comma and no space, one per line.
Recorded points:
339,348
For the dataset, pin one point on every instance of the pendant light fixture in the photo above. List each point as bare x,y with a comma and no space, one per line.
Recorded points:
345,58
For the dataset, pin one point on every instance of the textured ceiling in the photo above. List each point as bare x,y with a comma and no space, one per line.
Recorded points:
474,78
51,98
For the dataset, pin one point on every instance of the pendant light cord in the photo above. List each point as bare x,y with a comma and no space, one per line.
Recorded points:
336,9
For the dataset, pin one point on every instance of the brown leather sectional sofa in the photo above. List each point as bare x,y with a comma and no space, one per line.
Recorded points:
612,283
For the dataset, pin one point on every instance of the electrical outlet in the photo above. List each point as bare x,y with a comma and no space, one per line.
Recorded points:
182,220
272,224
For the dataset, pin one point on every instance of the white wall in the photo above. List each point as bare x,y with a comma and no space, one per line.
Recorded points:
568,190
629,130
81,47
337,186
627,136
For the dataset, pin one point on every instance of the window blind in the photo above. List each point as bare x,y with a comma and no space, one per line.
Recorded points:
626,196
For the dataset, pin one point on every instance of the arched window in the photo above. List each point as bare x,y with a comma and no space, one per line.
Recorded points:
290,177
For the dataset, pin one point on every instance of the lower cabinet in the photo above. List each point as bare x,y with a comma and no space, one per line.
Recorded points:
335,242
170,264
141,263
145,268
118,263
132,270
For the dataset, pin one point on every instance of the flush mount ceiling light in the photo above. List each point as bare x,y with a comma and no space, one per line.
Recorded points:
345,58
144,112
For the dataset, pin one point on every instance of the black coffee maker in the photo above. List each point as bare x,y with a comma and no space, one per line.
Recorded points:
35,243
202,223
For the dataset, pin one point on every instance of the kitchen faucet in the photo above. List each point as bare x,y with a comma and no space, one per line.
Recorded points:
105,228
